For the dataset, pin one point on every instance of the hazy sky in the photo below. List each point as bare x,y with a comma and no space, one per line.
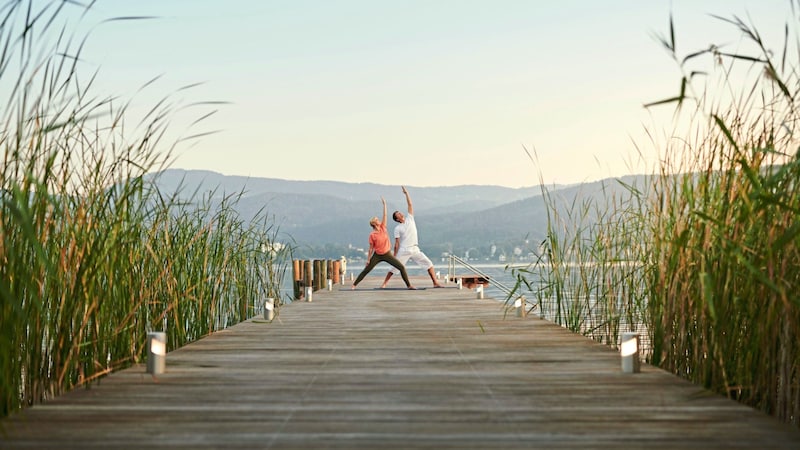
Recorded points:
422,93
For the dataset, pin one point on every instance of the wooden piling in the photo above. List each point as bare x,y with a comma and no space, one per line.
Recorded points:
309,275
297,278
321,274
315,274
337,267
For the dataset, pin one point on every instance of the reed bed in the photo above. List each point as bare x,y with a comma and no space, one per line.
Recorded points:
587,277
710,242
726,264
92,256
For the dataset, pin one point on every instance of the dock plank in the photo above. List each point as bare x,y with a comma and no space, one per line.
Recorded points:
394,369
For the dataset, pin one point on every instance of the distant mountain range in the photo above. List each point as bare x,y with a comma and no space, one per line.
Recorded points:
331,214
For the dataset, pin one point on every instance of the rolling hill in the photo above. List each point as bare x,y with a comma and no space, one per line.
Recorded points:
325,213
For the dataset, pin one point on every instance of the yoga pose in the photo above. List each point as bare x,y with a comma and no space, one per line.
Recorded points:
379,250
406,243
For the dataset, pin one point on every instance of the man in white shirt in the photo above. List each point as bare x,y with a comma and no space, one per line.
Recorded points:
406,243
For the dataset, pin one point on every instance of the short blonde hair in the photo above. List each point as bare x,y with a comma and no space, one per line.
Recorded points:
374,221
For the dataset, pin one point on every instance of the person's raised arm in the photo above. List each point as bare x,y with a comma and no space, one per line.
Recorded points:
383,222
408,202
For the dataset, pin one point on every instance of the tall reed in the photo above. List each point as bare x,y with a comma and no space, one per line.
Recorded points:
725,252
586,277
92,257
711,241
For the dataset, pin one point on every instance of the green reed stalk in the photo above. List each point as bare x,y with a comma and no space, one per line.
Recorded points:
726,242
586,275
710,244
92,256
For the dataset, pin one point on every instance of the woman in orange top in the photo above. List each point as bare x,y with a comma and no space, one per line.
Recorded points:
380,250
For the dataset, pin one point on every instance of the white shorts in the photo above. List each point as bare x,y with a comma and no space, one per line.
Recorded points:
414,254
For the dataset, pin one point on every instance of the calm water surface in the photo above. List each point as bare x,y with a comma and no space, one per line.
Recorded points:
497,274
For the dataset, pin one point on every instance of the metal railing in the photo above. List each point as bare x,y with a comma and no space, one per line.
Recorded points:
520,304
451,273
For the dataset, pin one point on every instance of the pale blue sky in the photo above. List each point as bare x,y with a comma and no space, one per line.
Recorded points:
422,93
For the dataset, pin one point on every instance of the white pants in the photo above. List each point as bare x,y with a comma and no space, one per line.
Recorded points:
414,254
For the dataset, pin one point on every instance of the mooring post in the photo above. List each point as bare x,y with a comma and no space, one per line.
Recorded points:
336,271
319,274
308,279
316,274
297,276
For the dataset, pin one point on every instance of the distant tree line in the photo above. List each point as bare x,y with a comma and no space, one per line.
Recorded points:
508,251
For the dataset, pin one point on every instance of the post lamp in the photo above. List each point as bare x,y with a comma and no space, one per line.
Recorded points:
309,293
629,350
519,304
269,309
156,352
479,291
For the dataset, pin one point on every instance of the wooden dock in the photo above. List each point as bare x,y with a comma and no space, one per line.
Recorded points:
394,369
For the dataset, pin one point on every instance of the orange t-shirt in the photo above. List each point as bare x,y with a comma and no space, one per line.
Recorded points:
379,240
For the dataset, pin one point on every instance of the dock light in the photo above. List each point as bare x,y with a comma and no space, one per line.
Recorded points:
629,350
156,352
520,304
309,293
330,284
458,282
479,291
269,309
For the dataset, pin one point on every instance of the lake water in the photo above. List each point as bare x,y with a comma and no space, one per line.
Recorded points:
497,275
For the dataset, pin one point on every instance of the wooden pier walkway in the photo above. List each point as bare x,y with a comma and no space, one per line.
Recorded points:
394,369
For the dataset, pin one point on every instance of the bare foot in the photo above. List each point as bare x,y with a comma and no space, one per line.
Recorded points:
437,285
383,286
353,287
412,288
